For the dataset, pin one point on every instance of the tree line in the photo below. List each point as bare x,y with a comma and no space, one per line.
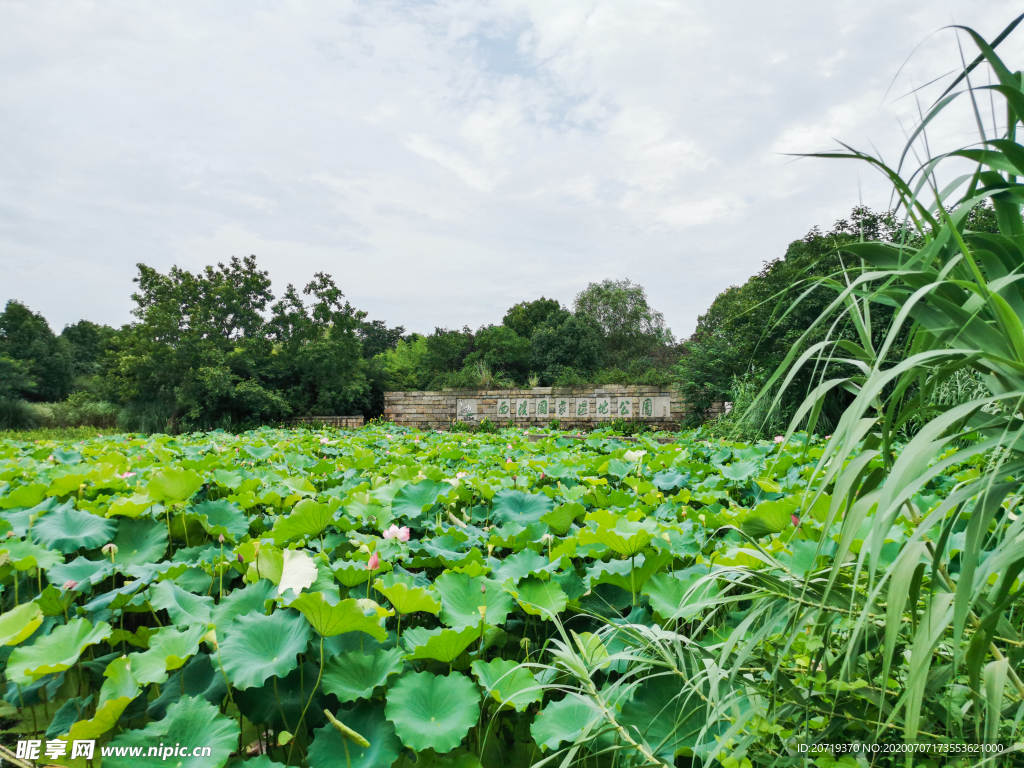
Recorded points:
217,348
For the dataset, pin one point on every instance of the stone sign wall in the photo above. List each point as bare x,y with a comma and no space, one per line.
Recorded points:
536,407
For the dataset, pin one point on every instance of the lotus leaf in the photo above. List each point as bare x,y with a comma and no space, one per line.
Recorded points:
67,529
169,649
511,684
55,652
511,506
298,571
413,500
351,615
140,542
539,598
190,721
175,485
462,597
406,598
257,647
432,711
564,720
183,607
118,691
443,644
18,623
354,675
330,748
221,518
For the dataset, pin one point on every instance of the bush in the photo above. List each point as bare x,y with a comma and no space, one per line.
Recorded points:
77,411
17,414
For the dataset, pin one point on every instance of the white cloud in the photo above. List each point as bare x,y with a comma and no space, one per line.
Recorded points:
445,160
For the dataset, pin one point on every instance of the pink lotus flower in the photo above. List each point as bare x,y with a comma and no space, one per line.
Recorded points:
69,584
126,475
460,475
779,439
323,441
374,562
394,532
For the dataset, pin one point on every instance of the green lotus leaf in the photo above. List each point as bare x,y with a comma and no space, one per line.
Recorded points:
67,529
140,542
668,715
299,485
83,572
351,573
66,457
175,485
70,712
351,615
260,452
221,518
770,517
666,593
21,519
413,500
630,575
53,601
739,470
433,711
298,571
511,684
183,607
190,722
257,647
130,506
26,554
169,649
525,563
118,691
539,598
56,651
354,675
406,597
18,623
560,519
564,720
461,598
443,644
627,538
517,507
24,496
330,749
250,599
308,519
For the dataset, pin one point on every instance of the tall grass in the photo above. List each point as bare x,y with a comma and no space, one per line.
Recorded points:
907,627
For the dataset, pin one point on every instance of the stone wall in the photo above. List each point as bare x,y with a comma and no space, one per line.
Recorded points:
573,408
344,422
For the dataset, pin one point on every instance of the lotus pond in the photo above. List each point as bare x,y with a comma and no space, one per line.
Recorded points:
385,596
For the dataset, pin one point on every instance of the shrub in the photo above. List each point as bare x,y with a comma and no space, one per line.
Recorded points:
17,414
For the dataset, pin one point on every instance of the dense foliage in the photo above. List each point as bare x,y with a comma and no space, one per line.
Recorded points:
216,350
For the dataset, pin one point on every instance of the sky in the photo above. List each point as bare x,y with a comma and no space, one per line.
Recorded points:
446,160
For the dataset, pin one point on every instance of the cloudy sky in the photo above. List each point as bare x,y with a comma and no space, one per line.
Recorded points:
445,160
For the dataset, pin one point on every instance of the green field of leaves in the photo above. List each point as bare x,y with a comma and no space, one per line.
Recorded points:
393,597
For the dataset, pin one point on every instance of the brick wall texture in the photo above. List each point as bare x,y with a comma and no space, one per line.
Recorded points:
437,410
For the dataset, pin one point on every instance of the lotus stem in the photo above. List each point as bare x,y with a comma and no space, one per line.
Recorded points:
302,717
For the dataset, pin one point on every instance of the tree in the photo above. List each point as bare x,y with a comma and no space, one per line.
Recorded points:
527,316
43,358
377,338
446,352
502,349
619,308
576,343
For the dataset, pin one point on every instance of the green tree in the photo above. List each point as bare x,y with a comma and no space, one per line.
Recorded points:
377,338
503,350
526,316
43,358
631,327
572,347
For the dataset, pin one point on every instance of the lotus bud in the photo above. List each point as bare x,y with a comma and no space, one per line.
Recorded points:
10,535
374,562
240,558
795,519
69,585
221,538
483,588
